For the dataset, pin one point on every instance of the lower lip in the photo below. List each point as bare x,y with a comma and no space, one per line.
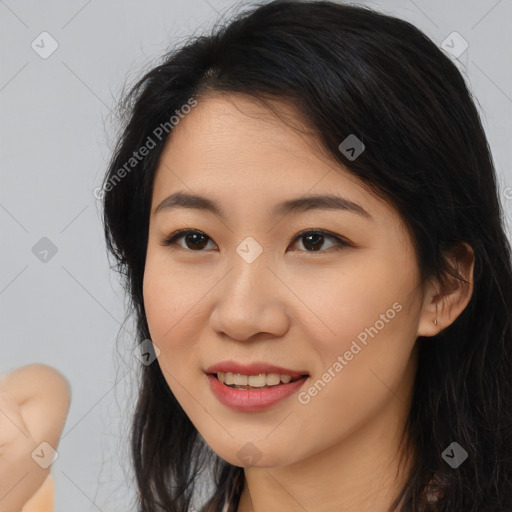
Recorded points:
250,400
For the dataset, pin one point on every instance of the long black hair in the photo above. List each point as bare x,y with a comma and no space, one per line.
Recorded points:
346,70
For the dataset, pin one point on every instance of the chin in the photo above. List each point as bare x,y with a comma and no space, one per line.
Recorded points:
254,455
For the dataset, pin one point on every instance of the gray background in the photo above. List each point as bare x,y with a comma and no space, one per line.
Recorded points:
57,131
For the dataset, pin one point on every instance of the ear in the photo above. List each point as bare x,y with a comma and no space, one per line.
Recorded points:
446,302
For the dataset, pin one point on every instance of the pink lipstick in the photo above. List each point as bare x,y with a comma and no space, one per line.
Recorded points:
253,387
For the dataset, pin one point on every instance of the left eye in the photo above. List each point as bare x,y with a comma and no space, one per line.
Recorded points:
313,240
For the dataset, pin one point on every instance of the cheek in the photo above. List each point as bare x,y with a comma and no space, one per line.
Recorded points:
171,298
366,367
349,303
172,303
367,331
170,316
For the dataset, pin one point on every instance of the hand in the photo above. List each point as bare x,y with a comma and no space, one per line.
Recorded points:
34,402
18,477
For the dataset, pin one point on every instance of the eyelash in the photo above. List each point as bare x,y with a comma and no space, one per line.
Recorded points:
342,243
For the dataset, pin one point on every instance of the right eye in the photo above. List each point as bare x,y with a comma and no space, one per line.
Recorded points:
194,240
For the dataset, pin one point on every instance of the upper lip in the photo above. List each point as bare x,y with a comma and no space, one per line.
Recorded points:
252,369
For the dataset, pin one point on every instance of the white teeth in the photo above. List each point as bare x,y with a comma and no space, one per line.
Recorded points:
273,379
257,381
240,380
254,381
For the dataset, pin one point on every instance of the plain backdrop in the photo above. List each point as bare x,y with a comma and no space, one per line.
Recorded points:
60,303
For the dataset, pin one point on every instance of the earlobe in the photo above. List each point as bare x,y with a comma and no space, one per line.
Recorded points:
442,304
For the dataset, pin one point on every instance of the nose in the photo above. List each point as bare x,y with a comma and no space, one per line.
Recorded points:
250,301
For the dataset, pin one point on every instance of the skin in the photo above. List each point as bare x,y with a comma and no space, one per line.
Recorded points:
293,306
34,403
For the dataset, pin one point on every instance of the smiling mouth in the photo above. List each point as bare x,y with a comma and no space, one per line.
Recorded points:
260,381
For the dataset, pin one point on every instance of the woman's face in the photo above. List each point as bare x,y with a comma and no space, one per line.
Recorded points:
242,288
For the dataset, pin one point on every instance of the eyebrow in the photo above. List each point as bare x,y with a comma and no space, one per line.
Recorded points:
300,204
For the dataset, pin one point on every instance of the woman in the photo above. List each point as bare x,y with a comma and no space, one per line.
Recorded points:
304,208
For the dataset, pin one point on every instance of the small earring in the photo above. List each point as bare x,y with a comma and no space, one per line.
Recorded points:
435,322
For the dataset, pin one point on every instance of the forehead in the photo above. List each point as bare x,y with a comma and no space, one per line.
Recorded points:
234,149
231,129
